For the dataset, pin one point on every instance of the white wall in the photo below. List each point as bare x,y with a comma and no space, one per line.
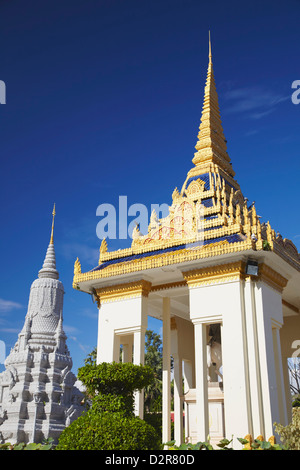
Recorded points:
253,379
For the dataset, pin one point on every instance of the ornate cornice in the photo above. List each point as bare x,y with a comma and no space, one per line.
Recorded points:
233,272
163,259
168,285
271,277
123,291
215,274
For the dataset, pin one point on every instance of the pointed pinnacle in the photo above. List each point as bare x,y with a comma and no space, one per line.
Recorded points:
52,229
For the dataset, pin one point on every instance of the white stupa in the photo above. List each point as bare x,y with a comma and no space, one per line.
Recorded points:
38,398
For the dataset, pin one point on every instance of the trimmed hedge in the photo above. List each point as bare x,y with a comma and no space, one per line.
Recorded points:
110,423
109,431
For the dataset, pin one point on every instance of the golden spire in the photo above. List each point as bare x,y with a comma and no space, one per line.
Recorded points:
211,146
53,215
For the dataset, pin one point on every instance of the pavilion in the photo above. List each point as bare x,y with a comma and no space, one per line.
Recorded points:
226,288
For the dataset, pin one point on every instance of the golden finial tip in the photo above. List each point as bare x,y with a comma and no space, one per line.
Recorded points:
52,229
209,47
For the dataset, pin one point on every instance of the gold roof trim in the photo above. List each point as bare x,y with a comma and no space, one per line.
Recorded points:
160,260
123,291
215,274
272,277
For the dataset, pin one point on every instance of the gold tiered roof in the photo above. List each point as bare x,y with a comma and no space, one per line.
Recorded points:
211,146
208,217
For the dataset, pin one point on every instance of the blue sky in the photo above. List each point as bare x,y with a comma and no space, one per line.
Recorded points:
104,98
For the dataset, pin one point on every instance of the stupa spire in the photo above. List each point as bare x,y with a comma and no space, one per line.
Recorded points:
52,229
38,398
49,266
211,145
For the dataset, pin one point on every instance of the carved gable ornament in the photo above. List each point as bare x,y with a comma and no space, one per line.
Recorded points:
196,188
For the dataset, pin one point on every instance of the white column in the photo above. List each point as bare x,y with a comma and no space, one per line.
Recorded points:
138,358
201,381
178,405
279,377
188,383
106,335
237,407
178,409
256,421
268,306
223,303
166,404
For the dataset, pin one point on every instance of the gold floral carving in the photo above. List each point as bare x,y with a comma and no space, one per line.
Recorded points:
123,291
160,260
215,274
231,272
169,285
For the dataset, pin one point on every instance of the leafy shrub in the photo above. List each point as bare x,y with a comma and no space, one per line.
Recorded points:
296,401
110,423
108,431
155,419
46,445
115,378
290,434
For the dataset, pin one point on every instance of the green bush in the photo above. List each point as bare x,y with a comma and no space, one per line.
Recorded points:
109,431
115,378
47,444
296,401
290,434
155,420
110,423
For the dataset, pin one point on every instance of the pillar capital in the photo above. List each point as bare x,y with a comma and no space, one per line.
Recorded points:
215,274
123,291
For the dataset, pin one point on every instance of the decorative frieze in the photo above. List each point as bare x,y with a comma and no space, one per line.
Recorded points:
215,274
123,291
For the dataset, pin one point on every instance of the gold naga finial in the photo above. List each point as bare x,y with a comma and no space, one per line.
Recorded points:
103,246
52,229
77,267
103,249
